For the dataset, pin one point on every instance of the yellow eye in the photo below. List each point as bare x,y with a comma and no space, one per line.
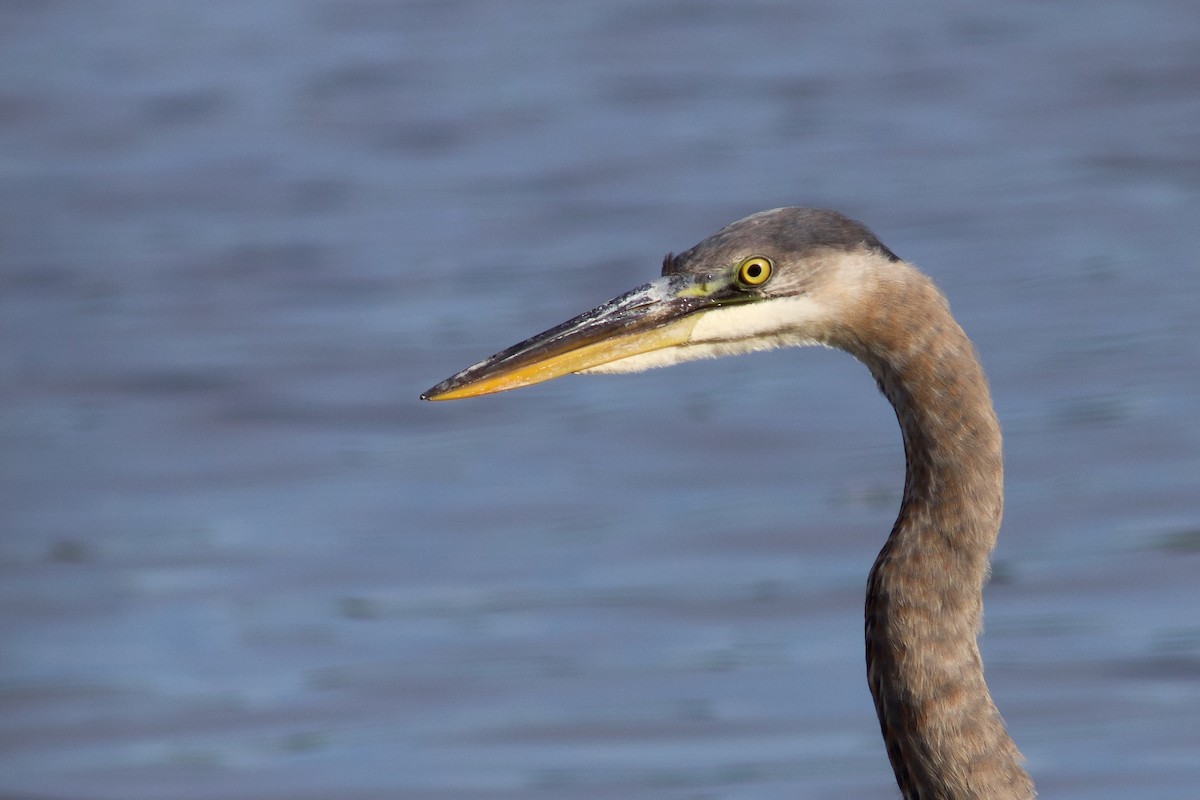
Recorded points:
754,271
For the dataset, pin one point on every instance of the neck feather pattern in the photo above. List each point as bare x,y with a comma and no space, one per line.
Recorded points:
924,608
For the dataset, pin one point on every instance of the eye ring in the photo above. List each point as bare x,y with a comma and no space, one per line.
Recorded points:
754,271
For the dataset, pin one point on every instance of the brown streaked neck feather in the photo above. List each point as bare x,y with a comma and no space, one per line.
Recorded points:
944,736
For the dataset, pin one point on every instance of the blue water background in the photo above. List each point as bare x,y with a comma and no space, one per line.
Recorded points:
240,559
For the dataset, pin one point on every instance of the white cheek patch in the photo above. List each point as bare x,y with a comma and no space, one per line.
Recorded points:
793,320
733,330
644,361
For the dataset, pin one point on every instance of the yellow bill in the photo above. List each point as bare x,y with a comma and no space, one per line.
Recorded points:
659,315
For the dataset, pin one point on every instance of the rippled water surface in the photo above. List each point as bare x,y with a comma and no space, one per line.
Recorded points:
240,559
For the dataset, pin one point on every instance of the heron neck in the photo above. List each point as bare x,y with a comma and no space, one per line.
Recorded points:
944,736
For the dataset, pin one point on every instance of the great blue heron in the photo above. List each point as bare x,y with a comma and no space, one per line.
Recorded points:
797,276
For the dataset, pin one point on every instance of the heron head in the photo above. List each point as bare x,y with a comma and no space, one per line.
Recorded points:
772,279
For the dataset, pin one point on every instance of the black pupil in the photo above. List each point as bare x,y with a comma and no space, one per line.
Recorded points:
753,271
